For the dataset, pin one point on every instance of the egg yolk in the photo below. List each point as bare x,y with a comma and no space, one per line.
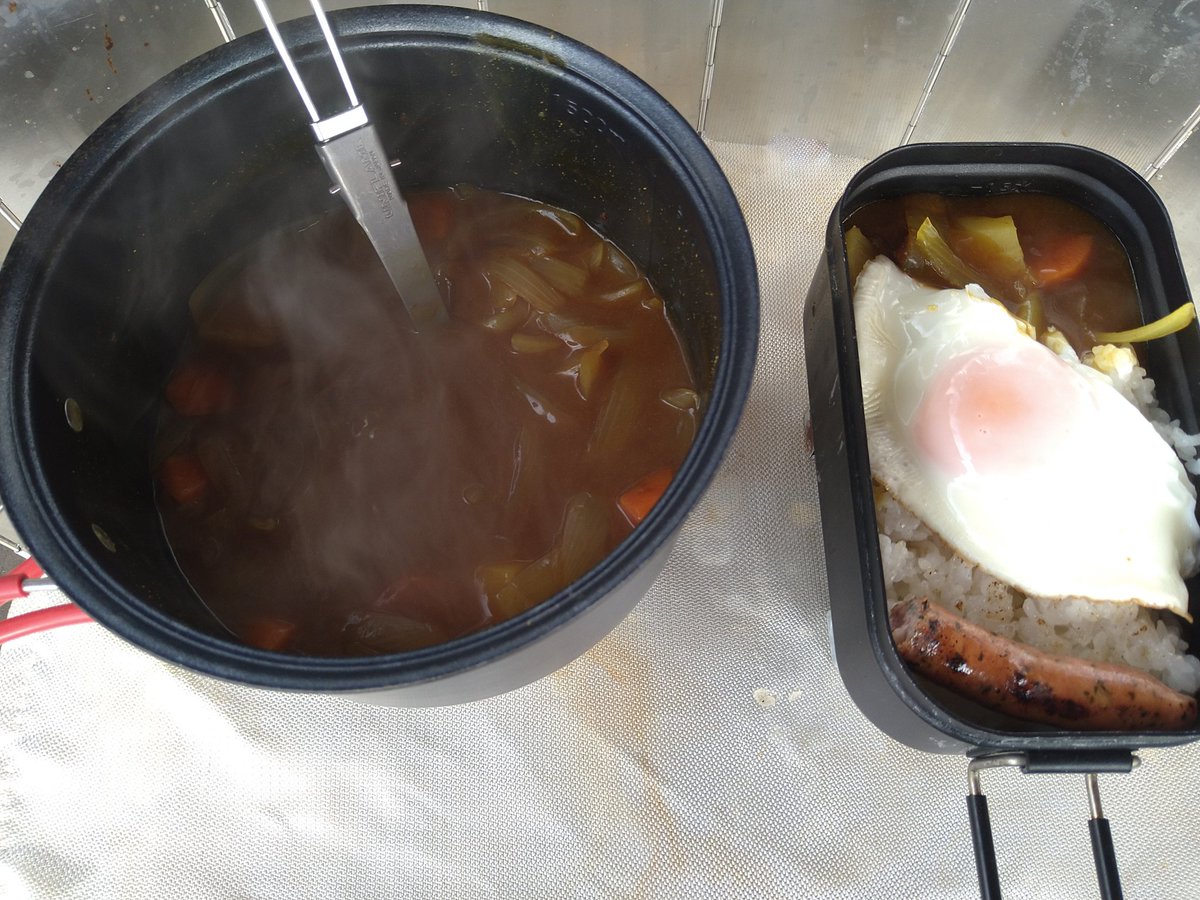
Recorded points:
998,411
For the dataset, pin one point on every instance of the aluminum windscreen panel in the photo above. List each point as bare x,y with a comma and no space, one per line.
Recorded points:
10,543
1178,184
7,233
67,65
1122,78
847,74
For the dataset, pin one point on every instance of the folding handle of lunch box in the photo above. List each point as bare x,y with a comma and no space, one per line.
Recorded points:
1107,876
1102,845
28,578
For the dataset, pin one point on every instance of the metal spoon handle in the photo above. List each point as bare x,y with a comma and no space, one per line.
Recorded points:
354,157
357,162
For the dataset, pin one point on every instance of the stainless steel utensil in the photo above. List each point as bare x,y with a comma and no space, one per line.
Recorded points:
1107,875
350,149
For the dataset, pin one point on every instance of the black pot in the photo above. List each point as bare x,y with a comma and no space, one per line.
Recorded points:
93,303
908,707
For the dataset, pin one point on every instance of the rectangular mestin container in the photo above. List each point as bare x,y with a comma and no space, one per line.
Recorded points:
905,706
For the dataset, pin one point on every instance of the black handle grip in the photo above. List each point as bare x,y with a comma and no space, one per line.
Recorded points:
1106,860
985,850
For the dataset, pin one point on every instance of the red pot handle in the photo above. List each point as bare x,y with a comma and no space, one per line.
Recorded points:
12,585
18,583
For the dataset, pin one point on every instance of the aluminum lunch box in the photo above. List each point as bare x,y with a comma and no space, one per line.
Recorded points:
903,705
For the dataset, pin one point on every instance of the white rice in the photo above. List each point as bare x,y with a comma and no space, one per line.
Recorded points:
917,563
1121,368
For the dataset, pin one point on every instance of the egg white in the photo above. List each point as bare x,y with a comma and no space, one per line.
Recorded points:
1028,464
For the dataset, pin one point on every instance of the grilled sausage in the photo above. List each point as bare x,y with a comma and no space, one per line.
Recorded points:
1032,684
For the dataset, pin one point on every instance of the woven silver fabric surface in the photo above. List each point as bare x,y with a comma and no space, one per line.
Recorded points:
707,748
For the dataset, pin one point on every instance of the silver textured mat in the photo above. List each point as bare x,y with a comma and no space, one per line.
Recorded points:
706,748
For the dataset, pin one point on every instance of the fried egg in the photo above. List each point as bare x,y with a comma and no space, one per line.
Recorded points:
1029,464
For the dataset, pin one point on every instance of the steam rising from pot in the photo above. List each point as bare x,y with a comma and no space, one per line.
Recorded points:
376,489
